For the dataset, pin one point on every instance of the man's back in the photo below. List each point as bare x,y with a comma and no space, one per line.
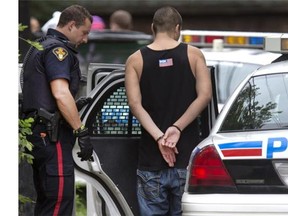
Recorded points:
168,88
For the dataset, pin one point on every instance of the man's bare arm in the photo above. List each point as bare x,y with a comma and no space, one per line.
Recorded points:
66,102
132,83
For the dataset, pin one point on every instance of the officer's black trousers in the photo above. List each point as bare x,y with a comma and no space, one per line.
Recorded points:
53,172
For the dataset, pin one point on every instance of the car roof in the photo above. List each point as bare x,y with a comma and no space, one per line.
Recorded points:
108,35
241,55
277,67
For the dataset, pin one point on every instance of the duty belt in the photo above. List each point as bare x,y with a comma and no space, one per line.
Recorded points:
51,120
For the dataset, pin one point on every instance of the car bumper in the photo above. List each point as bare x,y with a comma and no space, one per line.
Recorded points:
234,204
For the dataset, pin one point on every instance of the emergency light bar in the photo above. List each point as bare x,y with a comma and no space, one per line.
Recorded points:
277,43
201,38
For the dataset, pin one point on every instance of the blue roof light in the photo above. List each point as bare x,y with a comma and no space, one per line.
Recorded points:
256,40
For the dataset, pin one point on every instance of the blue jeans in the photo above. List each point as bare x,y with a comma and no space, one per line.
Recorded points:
160,192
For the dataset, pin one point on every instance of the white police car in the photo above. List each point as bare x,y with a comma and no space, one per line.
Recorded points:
241,168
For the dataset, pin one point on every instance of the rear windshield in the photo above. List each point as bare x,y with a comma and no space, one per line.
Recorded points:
261,104
228,77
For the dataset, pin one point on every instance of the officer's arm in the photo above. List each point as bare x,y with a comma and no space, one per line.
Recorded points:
65,102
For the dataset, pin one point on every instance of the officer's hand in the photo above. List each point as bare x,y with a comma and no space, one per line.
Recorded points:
84,144
82,101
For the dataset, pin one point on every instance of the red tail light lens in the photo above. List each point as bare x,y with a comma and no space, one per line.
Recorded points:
208,171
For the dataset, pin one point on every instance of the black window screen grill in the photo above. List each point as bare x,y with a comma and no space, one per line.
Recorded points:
114,117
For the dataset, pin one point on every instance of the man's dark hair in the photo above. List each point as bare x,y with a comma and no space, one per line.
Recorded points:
75,13
165,19
123,19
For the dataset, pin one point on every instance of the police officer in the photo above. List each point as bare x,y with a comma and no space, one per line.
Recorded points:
51,77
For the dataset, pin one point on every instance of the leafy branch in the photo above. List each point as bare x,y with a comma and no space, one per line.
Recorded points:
24,144
25,124
36,44
24,128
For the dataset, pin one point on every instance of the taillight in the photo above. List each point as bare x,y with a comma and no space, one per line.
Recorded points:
208,173
281,168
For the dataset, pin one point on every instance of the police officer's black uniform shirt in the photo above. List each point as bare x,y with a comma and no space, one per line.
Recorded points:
56,61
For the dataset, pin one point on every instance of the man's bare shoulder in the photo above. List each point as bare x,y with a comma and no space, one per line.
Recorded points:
194,50
135,58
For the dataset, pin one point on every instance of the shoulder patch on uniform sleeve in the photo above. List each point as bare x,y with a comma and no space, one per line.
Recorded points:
60,53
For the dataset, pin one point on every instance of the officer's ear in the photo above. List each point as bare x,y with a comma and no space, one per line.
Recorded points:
71,24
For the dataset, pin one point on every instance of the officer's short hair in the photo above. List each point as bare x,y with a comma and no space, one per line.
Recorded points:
75,13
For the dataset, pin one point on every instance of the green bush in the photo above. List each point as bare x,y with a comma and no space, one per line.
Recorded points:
81,204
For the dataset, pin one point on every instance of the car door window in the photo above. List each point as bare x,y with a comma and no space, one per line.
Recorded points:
228,77
112,117
261,104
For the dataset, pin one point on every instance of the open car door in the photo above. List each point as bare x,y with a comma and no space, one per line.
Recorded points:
114,133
